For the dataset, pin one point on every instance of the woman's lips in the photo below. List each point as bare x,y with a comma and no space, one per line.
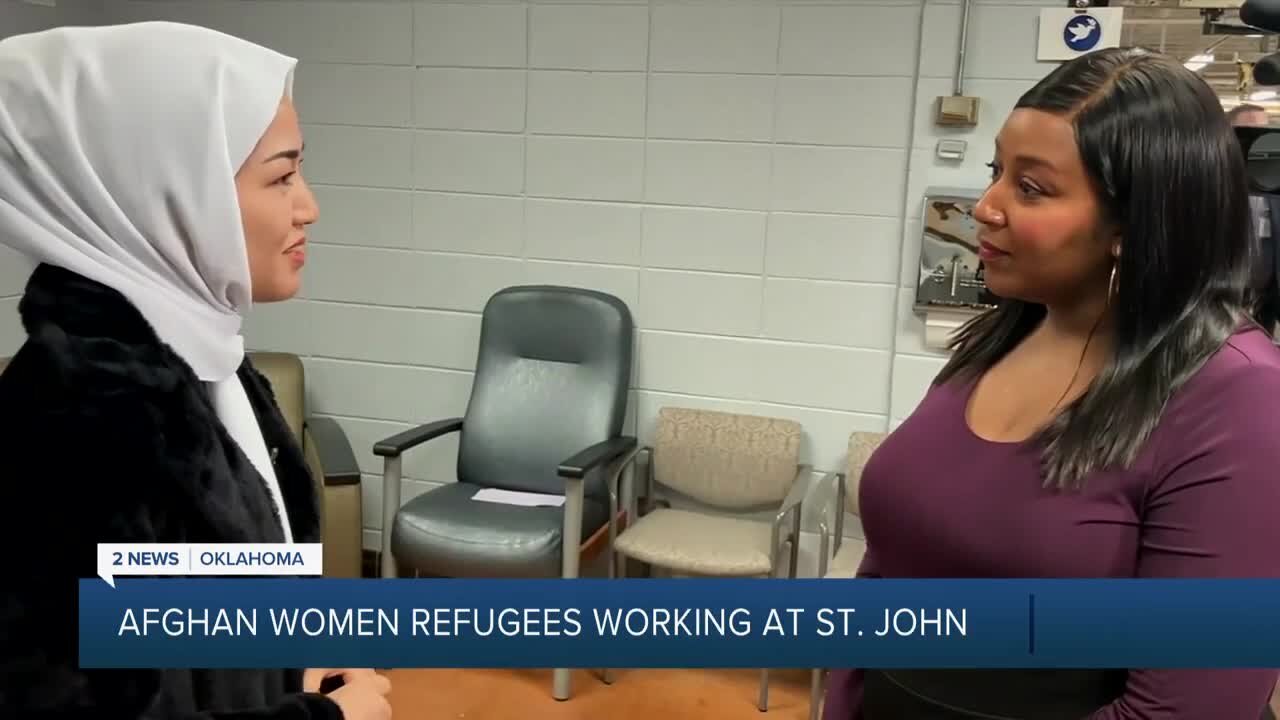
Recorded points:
297,252
989,252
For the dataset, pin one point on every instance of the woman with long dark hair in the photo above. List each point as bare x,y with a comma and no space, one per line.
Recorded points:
1117,415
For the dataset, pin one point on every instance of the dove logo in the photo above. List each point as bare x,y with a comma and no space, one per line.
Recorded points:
1082,33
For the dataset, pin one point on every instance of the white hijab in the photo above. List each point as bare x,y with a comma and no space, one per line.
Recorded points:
119,147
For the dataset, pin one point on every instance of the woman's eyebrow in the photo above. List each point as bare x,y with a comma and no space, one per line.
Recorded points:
287,154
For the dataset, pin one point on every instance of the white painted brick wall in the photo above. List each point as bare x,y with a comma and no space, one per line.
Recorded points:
737,172
999,67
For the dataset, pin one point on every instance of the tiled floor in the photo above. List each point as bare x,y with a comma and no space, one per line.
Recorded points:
634,695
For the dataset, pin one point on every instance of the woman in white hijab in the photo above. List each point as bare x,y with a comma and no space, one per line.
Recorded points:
152,171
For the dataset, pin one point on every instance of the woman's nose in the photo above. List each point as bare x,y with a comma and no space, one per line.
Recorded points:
985,211
306,209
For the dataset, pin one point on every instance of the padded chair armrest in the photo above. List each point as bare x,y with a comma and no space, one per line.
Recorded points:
602,453
397,444
337,460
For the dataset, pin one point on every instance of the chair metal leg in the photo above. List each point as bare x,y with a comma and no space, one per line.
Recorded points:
570,547
606,675
390,506
561,685
618,563
795,547
763,704
612,556
815,693
627,490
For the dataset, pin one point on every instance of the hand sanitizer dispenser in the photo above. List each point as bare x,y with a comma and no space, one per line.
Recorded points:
950,289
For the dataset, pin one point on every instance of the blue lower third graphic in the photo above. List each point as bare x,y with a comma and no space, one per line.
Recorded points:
312,622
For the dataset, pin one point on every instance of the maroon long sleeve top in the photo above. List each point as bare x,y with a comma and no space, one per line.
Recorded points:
1202,501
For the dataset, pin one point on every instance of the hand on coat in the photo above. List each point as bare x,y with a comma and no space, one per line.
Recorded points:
363,695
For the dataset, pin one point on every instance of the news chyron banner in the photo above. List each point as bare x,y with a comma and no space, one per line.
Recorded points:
185,559
234,621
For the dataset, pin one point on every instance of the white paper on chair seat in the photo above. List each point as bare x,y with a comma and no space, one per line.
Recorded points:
513,497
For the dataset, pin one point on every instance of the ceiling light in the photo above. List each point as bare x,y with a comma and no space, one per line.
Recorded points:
1199,62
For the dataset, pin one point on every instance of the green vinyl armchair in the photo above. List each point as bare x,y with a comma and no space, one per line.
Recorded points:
545,419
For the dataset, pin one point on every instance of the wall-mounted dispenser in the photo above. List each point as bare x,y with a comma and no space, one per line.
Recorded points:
950,288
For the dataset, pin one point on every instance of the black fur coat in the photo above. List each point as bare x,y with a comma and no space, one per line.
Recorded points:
107,436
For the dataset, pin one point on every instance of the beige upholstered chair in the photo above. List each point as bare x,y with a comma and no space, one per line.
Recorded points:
842,559
332,462
726,466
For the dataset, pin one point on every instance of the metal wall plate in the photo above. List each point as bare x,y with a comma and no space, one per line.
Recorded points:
950,272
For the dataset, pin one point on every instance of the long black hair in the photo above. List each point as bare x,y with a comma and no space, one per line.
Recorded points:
1169,173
